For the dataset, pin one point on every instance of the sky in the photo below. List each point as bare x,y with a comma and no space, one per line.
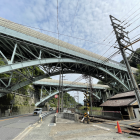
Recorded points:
85,19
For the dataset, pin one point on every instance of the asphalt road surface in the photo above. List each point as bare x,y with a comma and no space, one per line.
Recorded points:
11,127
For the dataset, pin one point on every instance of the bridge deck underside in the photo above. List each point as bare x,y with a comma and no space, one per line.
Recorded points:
22,52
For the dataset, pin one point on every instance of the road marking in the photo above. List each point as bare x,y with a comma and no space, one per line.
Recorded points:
14,117
38,125
52,124
102,127
26,130
132,123
22,134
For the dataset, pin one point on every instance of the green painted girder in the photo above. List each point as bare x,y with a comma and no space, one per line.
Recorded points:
76,85
36,51
65,90
44,44
20,65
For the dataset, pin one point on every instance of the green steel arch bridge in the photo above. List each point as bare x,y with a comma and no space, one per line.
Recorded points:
24,48
51,87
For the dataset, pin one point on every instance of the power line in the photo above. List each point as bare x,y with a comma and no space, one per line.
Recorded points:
132,13
135,36
134,28
57,26
131,19
75,13
132,22
56,33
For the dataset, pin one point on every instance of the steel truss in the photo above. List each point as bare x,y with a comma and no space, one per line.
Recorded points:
18,55
55,90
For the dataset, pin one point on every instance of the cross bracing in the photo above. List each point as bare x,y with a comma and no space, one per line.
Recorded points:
23,48
98,93
49,85
51,82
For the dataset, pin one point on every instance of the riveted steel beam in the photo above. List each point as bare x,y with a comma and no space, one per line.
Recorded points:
24,64
65,90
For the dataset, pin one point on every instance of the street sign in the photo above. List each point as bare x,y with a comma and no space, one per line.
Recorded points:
56,96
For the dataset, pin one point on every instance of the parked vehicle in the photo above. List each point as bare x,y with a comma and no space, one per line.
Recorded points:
51,109
37,111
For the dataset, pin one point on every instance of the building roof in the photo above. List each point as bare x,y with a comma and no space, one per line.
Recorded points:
122,95
134,103
118,102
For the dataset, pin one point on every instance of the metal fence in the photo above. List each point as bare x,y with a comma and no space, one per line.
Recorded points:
101,113
42,116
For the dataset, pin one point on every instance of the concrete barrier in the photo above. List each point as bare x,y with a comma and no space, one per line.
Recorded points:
76,117
70,116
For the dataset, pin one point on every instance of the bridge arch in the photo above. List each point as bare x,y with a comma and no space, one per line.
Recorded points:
70,66
65,90
22,47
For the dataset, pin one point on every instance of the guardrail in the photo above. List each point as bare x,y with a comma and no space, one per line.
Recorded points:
41,116
102,113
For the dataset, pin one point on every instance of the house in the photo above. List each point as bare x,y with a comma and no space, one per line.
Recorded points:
124,103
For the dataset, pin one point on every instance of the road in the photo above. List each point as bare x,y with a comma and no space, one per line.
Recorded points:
13,126
66,129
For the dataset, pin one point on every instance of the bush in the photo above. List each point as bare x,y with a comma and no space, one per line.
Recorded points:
52,105
25,103
32,104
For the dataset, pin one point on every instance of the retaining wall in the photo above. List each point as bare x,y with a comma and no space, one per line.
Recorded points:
70,116
17,111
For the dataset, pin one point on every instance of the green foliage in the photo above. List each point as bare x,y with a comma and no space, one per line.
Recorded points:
101,82
67,100
38,71
25,103
5,100
134,61
32,104
53,105
138,76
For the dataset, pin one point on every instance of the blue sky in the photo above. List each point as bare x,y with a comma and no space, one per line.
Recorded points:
87,19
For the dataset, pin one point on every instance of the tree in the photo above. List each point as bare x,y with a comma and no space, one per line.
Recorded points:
134,61
138,76
101,82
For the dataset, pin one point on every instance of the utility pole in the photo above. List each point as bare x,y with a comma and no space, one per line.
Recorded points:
59,87
90,84
62,90
76,97
122,35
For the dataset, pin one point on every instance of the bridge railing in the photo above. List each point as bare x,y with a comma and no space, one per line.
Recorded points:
116,63
34,33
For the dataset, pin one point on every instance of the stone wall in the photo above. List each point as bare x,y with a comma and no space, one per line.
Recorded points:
17,111
21,100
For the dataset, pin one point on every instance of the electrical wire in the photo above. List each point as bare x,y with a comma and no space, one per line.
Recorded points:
132,19
116,52
58,28
56,33
132,22
135,36
132,13
75,13
134,29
